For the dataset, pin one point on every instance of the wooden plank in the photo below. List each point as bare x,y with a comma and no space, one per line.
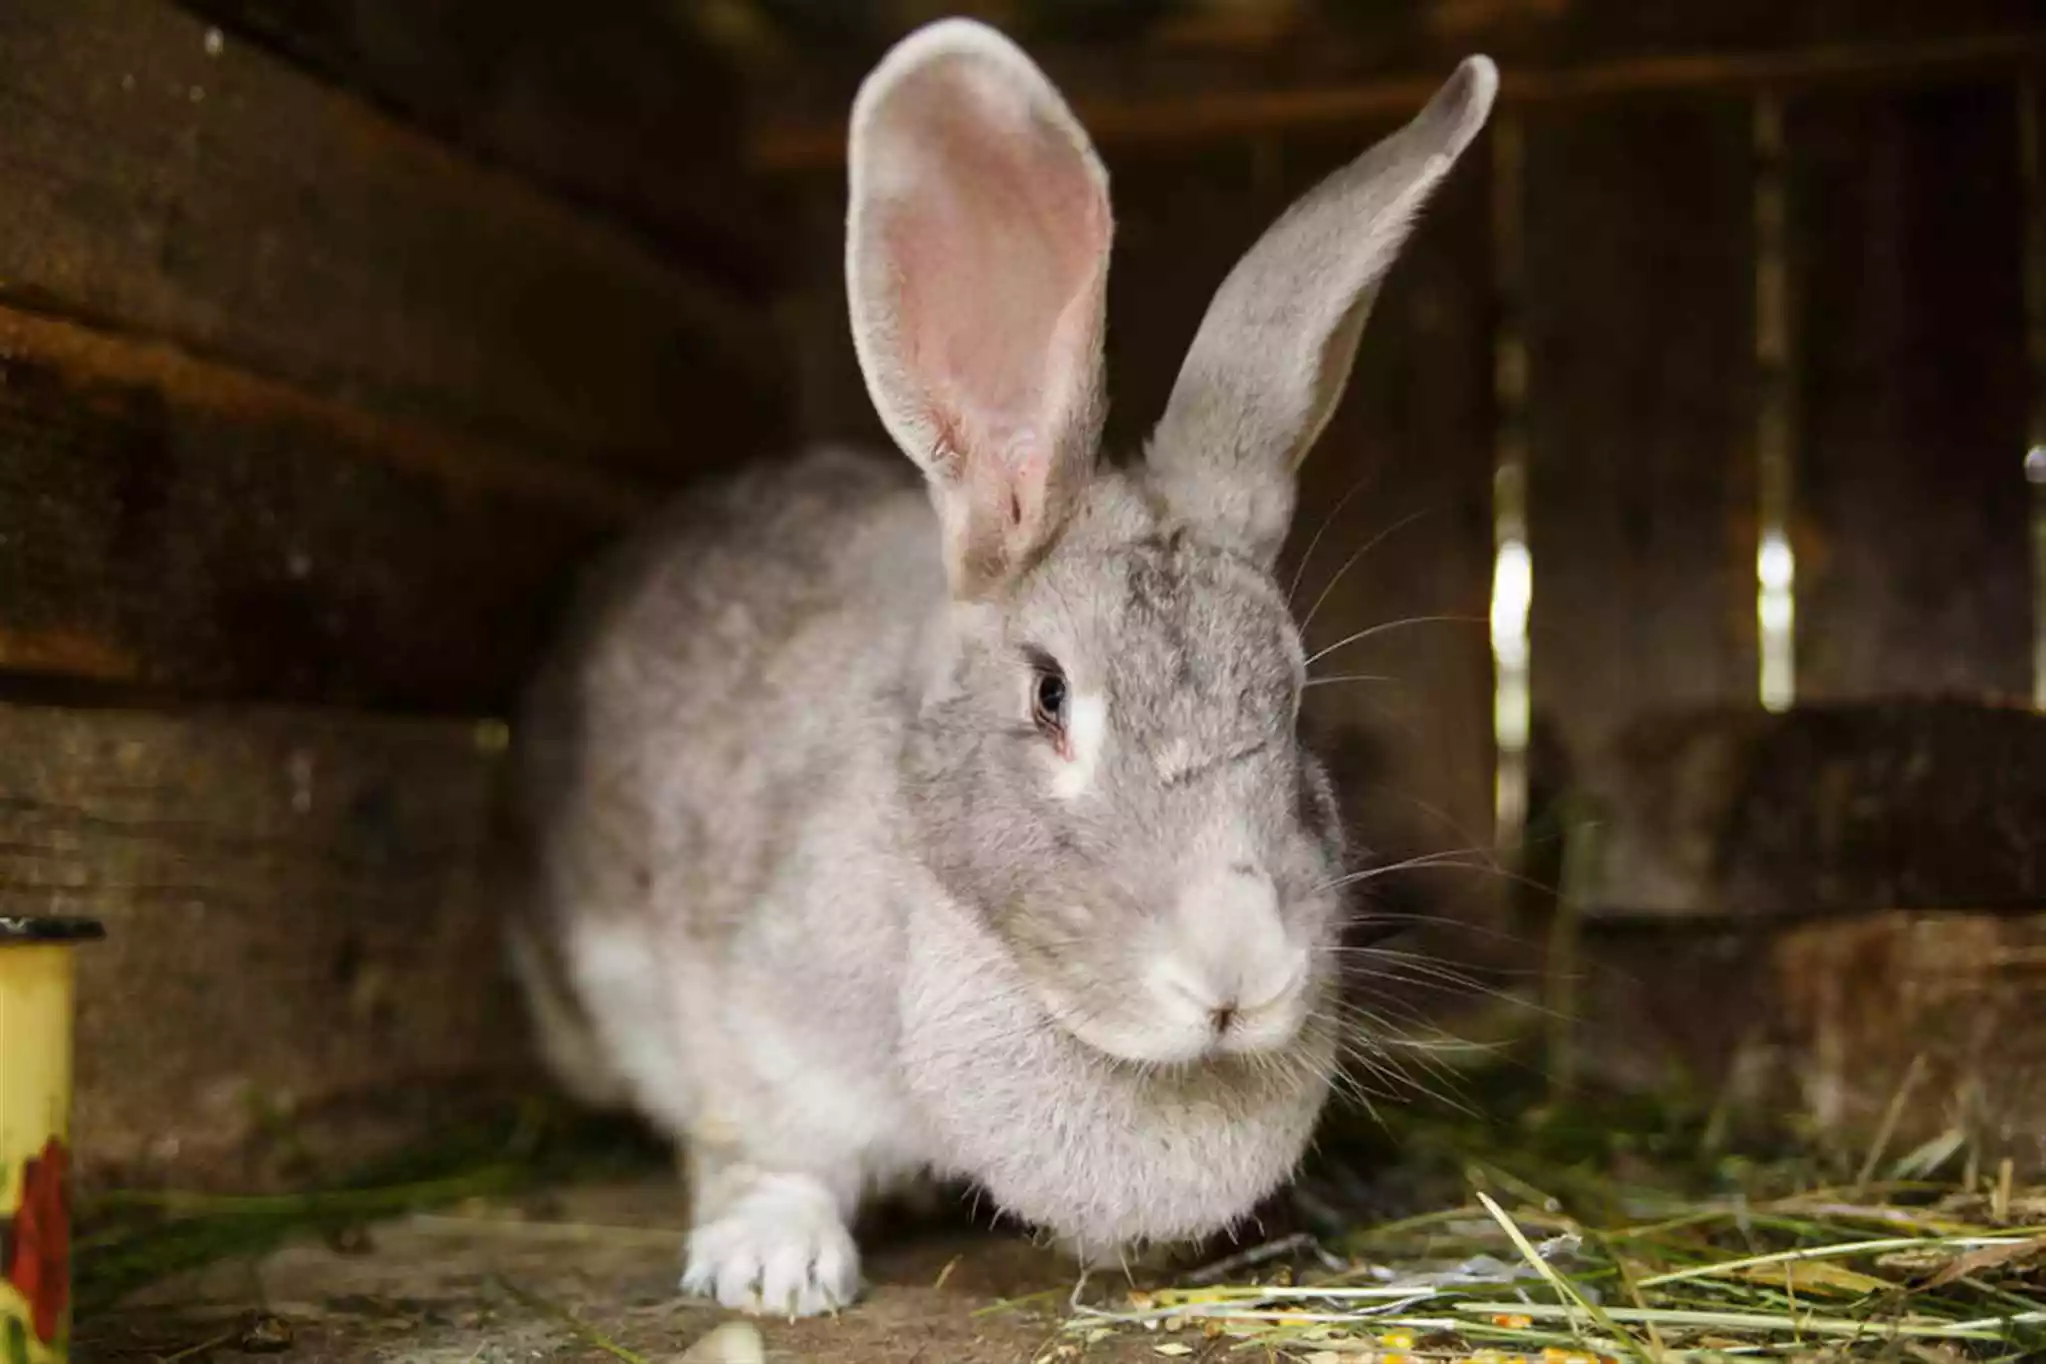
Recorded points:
1352,64
1812,1031
1913,559
1827,809
203,193
833,401
171,527
622,108
1640,344
1183,219
297,923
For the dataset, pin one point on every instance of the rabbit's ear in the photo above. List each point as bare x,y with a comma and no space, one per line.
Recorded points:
977,249
1274,351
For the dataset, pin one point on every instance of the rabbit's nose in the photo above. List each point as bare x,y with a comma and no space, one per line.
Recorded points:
1232,959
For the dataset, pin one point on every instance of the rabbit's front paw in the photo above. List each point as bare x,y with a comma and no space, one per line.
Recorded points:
779,1249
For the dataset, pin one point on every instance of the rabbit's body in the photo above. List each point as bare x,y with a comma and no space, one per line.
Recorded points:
654,784
868,852
756,942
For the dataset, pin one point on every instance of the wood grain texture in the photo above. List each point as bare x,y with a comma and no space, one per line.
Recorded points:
1183,219
174,528
1827,809
161,184
1811,1031
832,402
1913,545
1335,66
622,108
1640,487
295,913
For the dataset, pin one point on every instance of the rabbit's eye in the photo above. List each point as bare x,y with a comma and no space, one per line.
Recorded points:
1048,701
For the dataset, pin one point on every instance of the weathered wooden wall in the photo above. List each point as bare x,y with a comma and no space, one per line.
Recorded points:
335,334
1907,232
333,338
1784,842
1641,476
619,109
300,929
1192,71
171,525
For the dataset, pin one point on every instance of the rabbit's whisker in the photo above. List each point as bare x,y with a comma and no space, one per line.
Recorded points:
1369,917
1468,859
1307,556
1383,626
1355,555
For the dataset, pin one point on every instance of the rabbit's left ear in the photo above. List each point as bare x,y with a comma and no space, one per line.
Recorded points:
977,251
1274,351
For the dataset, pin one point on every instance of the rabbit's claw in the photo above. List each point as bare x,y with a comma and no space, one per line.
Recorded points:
780,1249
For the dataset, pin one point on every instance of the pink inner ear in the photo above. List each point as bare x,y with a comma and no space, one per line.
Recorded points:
999,247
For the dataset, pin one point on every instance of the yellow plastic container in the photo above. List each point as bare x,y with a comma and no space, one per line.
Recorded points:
35,1129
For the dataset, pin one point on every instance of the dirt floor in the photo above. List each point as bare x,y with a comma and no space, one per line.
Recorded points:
572,1274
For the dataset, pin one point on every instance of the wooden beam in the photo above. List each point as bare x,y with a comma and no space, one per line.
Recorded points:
297,924
182,380
169,526
1639,387
1828,809
1922,1024
169,185
621,107
1203,115
1907,228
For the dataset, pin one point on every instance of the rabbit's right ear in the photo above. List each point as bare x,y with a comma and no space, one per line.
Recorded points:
1274,351
977,245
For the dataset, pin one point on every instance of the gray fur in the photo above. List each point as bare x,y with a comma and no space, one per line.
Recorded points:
821,901
1272,355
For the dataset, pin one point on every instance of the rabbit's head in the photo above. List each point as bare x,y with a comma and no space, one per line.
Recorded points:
1104,765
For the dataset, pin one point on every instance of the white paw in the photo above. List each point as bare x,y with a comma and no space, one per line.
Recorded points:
780,1250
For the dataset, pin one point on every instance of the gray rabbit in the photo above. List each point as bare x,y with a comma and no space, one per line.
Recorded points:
874,849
